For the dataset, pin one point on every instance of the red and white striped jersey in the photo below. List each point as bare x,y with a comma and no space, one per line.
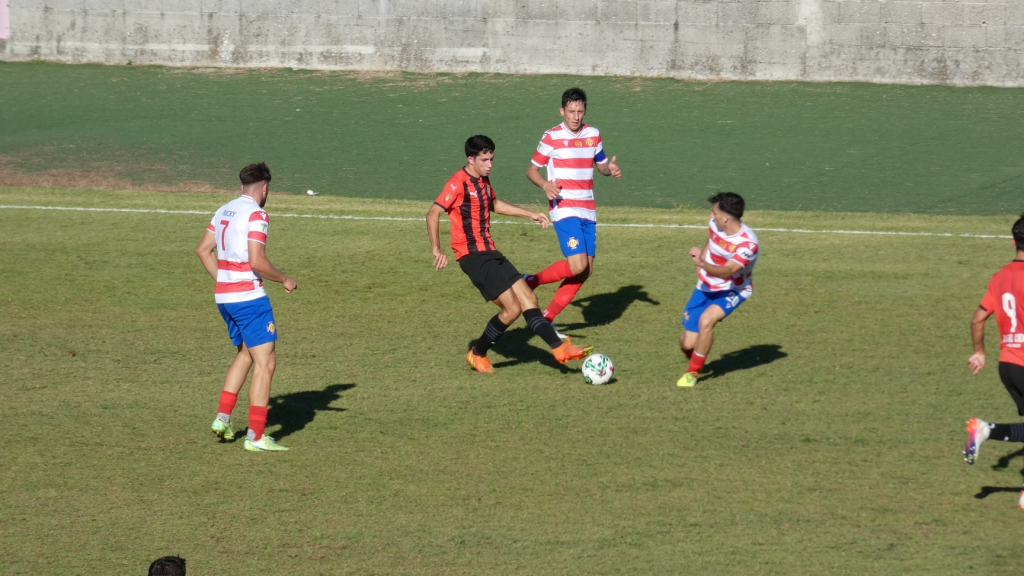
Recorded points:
235,224
569,159
741,247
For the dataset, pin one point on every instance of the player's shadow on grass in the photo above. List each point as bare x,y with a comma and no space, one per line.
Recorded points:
515,347
745,359
602,309
1004,462
987,491
295,410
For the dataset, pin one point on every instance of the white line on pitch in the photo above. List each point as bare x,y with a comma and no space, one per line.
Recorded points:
390,218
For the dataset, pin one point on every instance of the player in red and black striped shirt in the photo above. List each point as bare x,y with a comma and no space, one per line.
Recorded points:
468,199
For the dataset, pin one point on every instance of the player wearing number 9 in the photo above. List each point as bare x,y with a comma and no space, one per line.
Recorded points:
1003,298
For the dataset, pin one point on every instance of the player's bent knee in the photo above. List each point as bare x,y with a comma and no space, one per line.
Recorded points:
580,272
512,310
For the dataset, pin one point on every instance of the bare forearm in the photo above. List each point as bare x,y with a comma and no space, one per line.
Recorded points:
978,335
533,174
434,230
719,271
506,209
209,260
267,271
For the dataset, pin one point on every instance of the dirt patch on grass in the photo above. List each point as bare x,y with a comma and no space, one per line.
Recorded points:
12,176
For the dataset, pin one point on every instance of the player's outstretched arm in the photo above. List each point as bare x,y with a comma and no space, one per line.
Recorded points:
433,232
610,168
977,360
207,252
506,209
261,265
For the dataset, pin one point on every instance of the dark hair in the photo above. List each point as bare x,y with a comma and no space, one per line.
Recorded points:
167,566
729,202
574,95
1018,232
478,144
254,173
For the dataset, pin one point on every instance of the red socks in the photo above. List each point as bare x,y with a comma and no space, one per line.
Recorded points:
696,362
558,271
257,421
565,293
227,402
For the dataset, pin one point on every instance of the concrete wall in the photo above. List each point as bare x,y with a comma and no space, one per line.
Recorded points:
969,42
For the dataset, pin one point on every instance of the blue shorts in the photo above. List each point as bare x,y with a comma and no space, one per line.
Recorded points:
577,236
251,322
727,300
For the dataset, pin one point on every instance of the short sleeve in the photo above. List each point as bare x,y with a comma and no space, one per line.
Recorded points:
212,226
745,253
451,194
988,301
259,226
599,156
544,150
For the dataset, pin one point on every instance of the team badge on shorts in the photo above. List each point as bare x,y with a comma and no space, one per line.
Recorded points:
572,243
271,328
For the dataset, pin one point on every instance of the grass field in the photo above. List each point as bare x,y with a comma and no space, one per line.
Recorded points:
825,439
786,146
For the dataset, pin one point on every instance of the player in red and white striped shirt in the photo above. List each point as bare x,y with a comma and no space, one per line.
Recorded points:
569,153
724,268
233,251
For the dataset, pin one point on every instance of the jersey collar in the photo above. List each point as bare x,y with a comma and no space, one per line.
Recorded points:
471,177
573,134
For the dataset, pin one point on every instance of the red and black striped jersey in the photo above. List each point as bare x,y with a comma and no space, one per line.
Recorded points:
468,201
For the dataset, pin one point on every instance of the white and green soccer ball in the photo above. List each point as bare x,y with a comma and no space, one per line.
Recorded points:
597,369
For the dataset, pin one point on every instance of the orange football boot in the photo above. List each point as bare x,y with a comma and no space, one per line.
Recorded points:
479,363
567,351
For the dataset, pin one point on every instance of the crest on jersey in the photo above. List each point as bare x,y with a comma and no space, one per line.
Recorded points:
271,328
263,227
579,143
590,141
572,243
447,197
732,248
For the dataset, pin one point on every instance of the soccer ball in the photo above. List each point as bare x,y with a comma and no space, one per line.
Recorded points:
597,369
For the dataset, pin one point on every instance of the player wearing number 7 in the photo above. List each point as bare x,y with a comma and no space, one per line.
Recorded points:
1003,298
233,251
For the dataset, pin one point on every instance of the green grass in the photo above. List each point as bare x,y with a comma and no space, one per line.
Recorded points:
825,440
785,146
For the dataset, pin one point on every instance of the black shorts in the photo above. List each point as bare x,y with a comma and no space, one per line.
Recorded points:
491,272
1012,376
